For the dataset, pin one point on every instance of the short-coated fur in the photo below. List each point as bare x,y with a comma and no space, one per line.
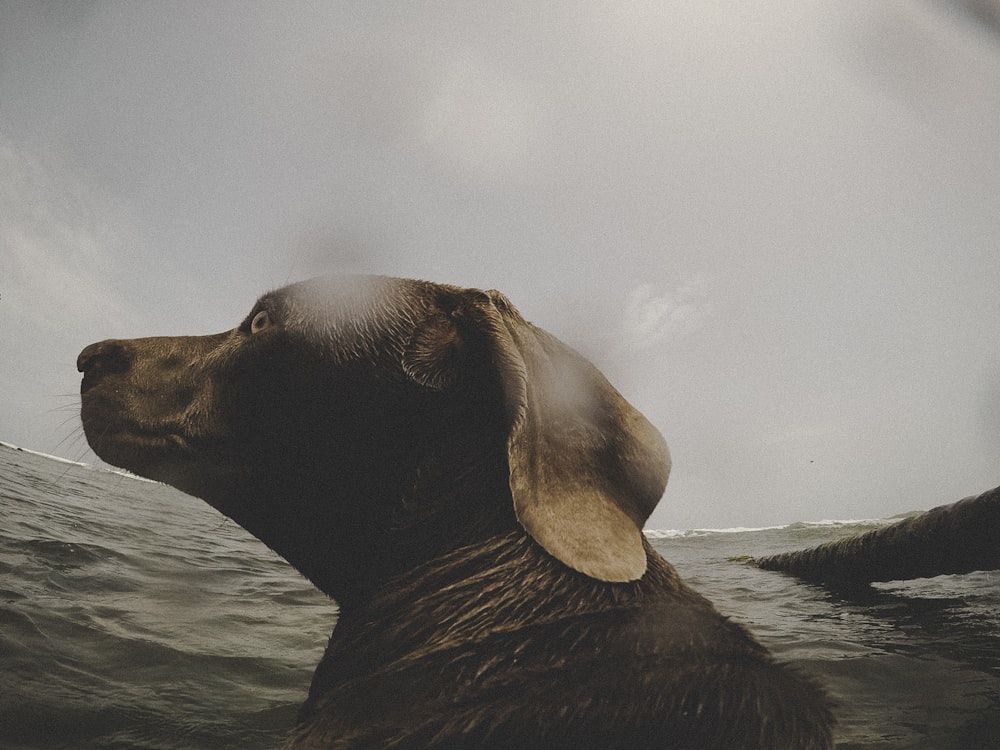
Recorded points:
471,491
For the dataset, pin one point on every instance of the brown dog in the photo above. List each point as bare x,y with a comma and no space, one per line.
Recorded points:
471,492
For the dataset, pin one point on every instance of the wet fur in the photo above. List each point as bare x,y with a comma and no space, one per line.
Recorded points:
526,653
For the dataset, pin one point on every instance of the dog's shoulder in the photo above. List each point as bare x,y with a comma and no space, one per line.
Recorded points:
526,653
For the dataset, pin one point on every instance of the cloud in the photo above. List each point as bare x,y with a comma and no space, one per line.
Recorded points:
653,315
478,118
63,265
56,241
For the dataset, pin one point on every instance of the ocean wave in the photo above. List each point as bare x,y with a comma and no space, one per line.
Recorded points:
795,525
60,459
134,616
93,467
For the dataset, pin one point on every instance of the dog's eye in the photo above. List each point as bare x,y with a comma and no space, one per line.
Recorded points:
260,321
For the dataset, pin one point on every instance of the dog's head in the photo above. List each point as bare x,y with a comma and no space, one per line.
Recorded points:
342,410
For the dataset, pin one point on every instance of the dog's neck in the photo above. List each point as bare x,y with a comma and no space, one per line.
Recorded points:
444,610
350,539
370,501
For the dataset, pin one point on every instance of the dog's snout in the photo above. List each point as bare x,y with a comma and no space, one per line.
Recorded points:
103,357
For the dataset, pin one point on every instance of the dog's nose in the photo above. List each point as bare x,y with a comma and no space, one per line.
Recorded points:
103,357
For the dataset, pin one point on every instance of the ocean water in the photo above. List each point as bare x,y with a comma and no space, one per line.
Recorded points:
133,616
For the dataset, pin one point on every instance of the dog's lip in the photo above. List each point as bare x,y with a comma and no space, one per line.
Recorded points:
162,456
131,445
147,438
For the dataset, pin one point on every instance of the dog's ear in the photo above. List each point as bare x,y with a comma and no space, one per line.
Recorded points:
434,354
586,468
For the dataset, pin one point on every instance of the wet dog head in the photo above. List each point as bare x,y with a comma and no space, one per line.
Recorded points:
362,425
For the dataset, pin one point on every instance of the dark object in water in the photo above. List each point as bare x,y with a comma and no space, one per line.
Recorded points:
957,538
471,491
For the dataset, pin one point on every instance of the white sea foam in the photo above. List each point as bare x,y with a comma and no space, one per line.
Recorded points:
60,459
826,523
95,467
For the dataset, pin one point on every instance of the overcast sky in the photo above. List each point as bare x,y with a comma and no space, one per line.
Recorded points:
775,226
